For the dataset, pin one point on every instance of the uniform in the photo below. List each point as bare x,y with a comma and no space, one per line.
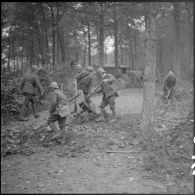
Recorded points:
57,104
168,85
57,98
29,84
108,98
108,92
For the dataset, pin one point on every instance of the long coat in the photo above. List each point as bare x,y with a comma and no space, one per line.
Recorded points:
29,84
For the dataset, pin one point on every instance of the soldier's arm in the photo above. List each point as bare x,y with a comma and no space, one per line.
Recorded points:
38,84
53,103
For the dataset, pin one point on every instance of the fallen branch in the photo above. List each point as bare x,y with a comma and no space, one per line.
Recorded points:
162,119
113,151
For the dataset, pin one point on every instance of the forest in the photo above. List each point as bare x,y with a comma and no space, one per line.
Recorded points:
150,38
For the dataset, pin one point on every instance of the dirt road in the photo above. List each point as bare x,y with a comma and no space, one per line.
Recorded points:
94,171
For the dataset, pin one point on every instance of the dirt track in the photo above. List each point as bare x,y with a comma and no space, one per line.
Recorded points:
95,171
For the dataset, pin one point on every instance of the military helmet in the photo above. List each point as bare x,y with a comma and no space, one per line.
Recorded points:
170,73
90,68
78,67
101,70
34,68
53,85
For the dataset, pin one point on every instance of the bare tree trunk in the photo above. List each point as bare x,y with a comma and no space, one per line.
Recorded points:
13,50
131,59
149,77
101,40
189,8
53,38
45,34
57,34
177,45
135,50
9,56
84,55
89,45
116,40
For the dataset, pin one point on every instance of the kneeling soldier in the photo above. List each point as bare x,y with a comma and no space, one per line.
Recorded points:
58,110
109,95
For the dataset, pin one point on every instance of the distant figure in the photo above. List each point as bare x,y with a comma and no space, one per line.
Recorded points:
168,86
29,84
109,95
58,110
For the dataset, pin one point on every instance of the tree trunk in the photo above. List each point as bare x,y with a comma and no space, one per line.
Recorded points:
177,45
149,77
89,45
116,41
57,34
189,8
45,34
101,40
135,50
9,56
131,58
13,50
84,55
61,43
53,38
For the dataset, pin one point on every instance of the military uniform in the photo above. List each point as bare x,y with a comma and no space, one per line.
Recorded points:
29,84
58,110
108,92
57,98
169,83
109,96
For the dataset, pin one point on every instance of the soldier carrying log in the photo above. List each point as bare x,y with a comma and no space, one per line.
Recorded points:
109,94
83,88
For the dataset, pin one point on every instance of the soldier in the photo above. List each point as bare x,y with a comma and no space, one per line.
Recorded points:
29,84
58,110
109,95
168,86
86,83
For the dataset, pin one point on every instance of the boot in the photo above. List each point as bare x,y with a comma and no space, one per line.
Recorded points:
113,117
21,116
102,116
34,111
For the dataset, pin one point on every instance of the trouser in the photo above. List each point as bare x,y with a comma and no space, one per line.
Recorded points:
28,99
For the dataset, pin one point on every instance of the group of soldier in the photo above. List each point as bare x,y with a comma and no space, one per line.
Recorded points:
59,104
58,101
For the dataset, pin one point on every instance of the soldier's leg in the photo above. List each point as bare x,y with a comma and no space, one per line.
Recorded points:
22,111
33,103
164,94
61,122
103,115
111,102
51,122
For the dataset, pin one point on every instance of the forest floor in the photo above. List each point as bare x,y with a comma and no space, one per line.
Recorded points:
96,157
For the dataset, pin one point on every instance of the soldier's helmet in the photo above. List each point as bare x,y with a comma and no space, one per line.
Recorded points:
101,70
54,85
89,68
78,67
170,73
34,68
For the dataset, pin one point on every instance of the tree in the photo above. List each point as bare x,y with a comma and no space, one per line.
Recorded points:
177,45
149,77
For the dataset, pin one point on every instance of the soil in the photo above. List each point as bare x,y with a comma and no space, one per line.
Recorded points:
109,160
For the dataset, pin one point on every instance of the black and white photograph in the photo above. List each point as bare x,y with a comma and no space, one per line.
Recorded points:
97,97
